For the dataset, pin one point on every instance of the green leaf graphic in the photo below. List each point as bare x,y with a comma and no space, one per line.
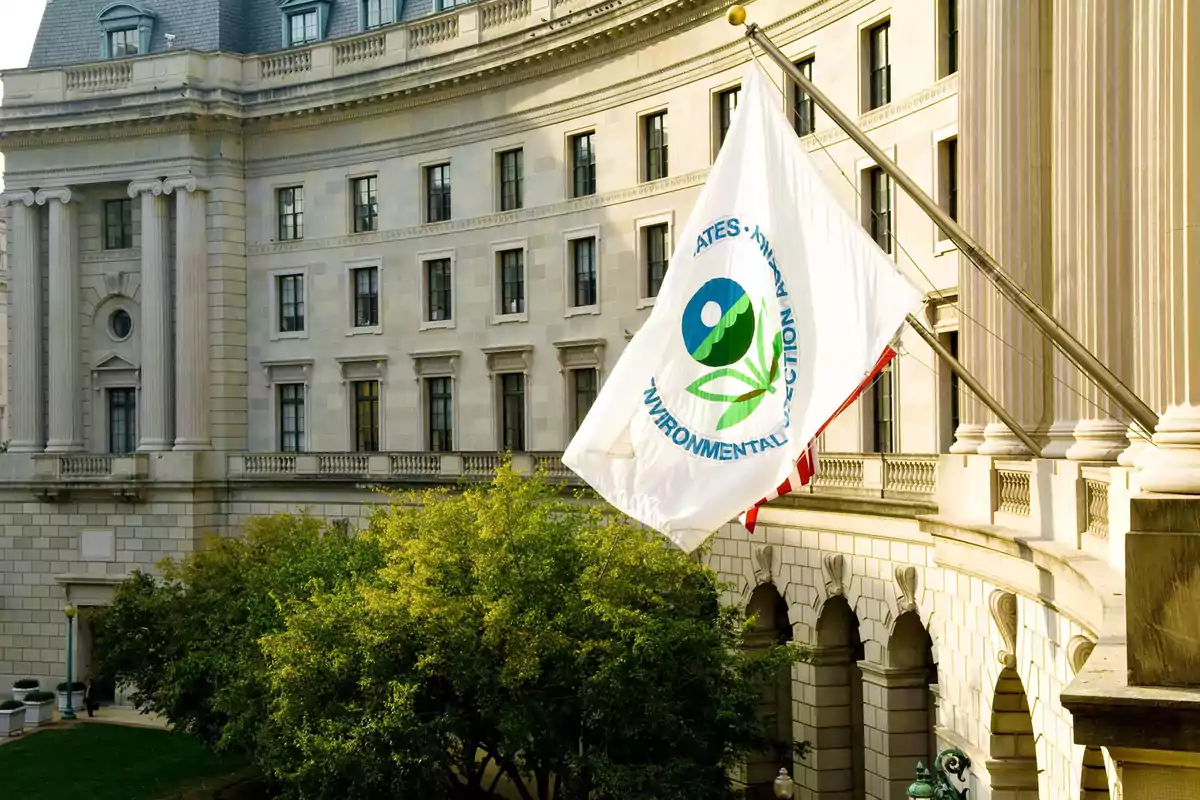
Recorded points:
739,411
723,372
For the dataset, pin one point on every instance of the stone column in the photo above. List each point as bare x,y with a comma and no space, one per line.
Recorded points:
1175,464
66,398
26,390
973,288
1016,201
155,429
191,315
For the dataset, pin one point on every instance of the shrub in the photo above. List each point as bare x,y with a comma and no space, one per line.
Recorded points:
39,697
26,683
11,705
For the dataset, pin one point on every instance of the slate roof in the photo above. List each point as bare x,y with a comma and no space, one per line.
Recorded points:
71,34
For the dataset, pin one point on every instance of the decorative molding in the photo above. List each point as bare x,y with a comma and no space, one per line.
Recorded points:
764,563
1003,606
1079,649
834,566
906,582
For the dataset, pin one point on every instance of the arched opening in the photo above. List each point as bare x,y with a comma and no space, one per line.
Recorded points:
1013,764
836,762
771,626
1093,785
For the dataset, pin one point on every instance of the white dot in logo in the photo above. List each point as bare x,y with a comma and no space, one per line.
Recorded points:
710,314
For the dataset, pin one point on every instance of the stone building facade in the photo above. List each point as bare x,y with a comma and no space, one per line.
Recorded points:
251,276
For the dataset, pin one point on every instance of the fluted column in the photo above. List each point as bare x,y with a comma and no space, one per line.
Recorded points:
26,389
1016,202
191,316
66,399
156,411
972,286
1174,466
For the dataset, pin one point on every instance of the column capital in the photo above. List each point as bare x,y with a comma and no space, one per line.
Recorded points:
63,195
154,186
25,196
186,183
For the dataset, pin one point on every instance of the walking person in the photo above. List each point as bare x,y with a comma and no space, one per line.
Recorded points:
89,698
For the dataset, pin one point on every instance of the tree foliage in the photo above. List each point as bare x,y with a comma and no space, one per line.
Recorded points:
495,641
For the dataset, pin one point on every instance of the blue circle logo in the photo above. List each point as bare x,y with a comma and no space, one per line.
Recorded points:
718,323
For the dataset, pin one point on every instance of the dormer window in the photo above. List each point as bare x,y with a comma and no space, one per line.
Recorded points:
127,29
304,21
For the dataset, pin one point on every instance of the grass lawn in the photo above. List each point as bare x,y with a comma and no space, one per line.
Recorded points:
105,762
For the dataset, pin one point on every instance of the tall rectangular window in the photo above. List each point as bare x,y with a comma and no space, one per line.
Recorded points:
366,204
512,281
303,28
727,102
438,393
377,12
291,213
290,291
802,104
366,296
438,287
658,255
654,142
583,165
883,397
122,421
509,165
118,224
437,193
880,67
291,417
879,191
583,269
123,43
951,27
584,385
366,416
512,411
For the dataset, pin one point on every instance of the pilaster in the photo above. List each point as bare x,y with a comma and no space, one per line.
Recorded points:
66,423
155,430
191,315
26,388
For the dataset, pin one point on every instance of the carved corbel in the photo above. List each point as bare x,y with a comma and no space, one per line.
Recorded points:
1003,606
834,565
1079,649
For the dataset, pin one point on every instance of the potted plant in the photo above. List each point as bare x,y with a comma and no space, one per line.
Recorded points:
39,708
12,717
66,701
23,687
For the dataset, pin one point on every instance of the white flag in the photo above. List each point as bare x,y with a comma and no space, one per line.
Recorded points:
775,310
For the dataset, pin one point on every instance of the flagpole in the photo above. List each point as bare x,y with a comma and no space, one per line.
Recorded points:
1079,355
975,386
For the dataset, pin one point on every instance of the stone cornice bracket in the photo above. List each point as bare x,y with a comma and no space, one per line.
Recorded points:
155,187
1003,606
1079,649
64,195
25,196
187,183
834,565
764,563
906,582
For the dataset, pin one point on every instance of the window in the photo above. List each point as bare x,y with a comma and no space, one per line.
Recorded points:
882,396
654,140
802,105
366,416
512,281
583,165
366,296
122,421
123,43
951,36
366,204
583,263
302,28
438,286
437,193
291,213
584,384
880,199
291,417
509,167
880,68
438,392
727,102
290,289
658,255
512,411
377,12
118,224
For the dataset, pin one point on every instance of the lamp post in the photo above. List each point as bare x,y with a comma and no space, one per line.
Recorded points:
784,786
937,786
69,711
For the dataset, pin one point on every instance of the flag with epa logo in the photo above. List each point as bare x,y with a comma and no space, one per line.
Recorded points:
776,311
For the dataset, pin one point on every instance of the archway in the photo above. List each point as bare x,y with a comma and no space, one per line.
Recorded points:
835,765
1093,785
1013,764
771,626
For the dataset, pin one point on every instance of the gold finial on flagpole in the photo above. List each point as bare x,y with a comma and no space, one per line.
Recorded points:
736,15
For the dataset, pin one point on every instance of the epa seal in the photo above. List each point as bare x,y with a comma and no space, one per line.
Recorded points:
745,356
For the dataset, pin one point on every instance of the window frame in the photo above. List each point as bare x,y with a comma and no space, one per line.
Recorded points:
295,216
427,193
125,237
130,445
423,291
274,276
589,168
499,316
646,150
301,402
645,300
510,189
364,218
